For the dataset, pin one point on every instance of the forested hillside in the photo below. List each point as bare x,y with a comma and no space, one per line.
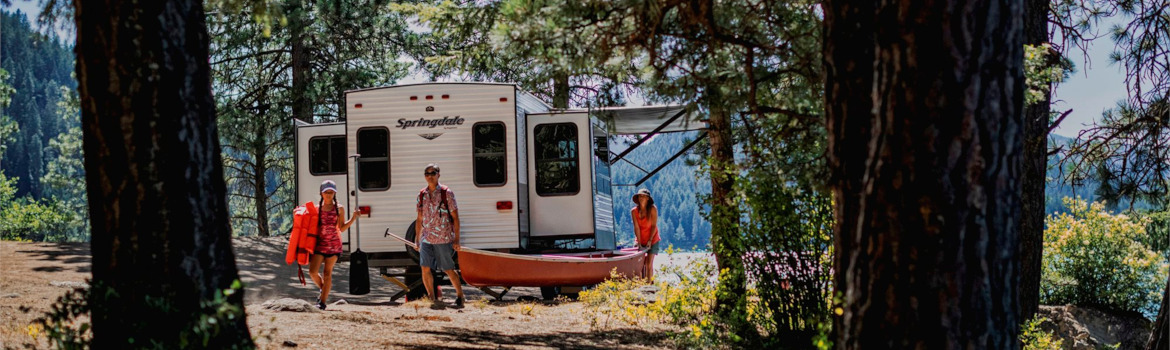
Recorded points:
42,185
680,222
1057,188
38,66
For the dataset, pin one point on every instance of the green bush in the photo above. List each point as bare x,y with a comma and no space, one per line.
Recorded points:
26,219
1094,258
1035,338
687,301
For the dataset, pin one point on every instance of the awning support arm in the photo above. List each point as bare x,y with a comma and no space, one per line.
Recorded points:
636,166
668,161
648,136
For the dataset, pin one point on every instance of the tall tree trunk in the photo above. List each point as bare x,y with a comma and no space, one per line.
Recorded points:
561,90
926,173
725,240
302,106
1160,337
161,237
1034,177
260,185
848,84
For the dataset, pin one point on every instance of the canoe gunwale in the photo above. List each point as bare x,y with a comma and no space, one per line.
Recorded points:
568,258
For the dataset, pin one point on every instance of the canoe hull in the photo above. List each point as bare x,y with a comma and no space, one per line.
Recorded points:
490,269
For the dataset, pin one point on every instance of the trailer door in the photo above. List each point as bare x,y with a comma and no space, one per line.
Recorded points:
321,155
560,189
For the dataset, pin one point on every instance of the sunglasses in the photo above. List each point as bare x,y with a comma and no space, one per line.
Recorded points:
429,173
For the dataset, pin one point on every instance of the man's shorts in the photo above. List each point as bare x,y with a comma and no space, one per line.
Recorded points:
436,256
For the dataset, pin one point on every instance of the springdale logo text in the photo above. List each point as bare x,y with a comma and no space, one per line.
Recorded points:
430,123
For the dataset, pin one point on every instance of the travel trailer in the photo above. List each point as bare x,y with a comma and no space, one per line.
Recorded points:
527,178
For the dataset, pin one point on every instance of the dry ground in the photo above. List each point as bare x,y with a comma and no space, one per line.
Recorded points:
35,274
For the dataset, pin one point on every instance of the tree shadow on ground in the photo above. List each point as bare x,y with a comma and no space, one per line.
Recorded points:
71,255
459,338
266,276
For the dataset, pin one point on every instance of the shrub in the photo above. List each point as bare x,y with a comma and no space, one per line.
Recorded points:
685,297
616,300
1094,258
26,219
1035,338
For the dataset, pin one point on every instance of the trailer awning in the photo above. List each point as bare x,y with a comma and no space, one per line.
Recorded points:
650,119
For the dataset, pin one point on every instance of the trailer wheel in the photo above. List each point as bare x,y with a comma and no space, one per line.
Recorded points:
410,237
549,293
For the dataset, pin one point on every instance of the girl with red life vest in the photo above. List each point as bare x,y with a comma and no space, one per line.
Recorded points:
645,216
331,222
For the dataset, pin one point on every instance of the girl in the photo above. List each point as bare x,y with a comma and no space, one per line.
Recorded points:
328,240
645,216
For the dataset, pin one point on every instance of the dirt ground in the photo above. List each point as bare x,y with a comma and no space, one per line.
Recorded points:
35,274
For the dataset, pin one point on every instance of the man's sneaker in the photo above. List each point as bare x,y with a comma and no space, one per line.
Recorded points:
438,304
320,304
459,302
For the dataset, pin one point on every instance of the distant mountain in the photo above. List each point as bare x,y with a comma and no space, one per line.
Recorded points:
1056,189
674,189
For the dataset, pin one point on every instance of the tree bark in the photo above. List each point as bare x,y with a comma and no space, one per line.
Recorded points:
925,174
302,106
161,239
1034,176
1160,336
561,90
260,184
848,84
730,296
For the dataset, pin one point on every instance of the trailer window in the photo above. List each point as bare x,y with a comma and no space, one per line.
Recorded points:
373,146
557,166
490,166
327,155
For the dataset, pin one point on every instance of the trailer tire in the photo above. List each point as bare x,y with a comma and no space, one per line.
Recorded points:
410,237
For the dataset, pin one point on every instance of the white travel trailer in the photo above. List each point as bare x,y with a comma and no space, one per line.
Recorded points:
526,177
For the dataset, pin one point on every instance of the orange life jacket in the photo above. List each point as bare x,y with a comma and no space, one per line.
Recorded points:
303,238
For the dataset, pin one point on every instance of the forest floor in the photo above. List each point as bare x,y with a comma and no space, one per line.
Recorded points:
36,274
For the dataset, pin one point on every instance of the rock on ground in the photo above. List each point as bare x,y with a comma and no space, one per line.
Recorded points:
1090,328
68,284
289,304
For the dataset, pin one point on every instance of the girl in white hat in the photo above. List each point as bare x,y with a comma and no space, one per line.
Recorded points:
645,216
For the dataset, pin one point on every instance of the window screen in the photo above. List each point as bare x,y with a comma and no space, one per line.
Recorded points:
327,155
373,145
557,166
487,150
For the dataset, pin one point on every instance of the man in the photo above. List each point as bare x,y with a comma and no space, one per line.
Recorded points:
438,238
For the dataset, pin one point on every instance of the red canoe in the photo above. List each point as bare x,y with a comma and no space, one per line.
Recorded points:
483,268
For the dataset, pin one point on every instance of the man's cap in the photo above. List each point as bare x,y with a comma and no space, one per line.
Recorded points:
432,166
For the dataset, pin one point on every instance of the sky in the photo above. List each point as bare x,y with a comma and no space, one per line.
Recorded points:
1096,85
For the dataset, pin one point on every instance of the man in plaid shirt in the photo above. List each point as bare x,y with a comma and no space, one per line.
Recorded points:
438,233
